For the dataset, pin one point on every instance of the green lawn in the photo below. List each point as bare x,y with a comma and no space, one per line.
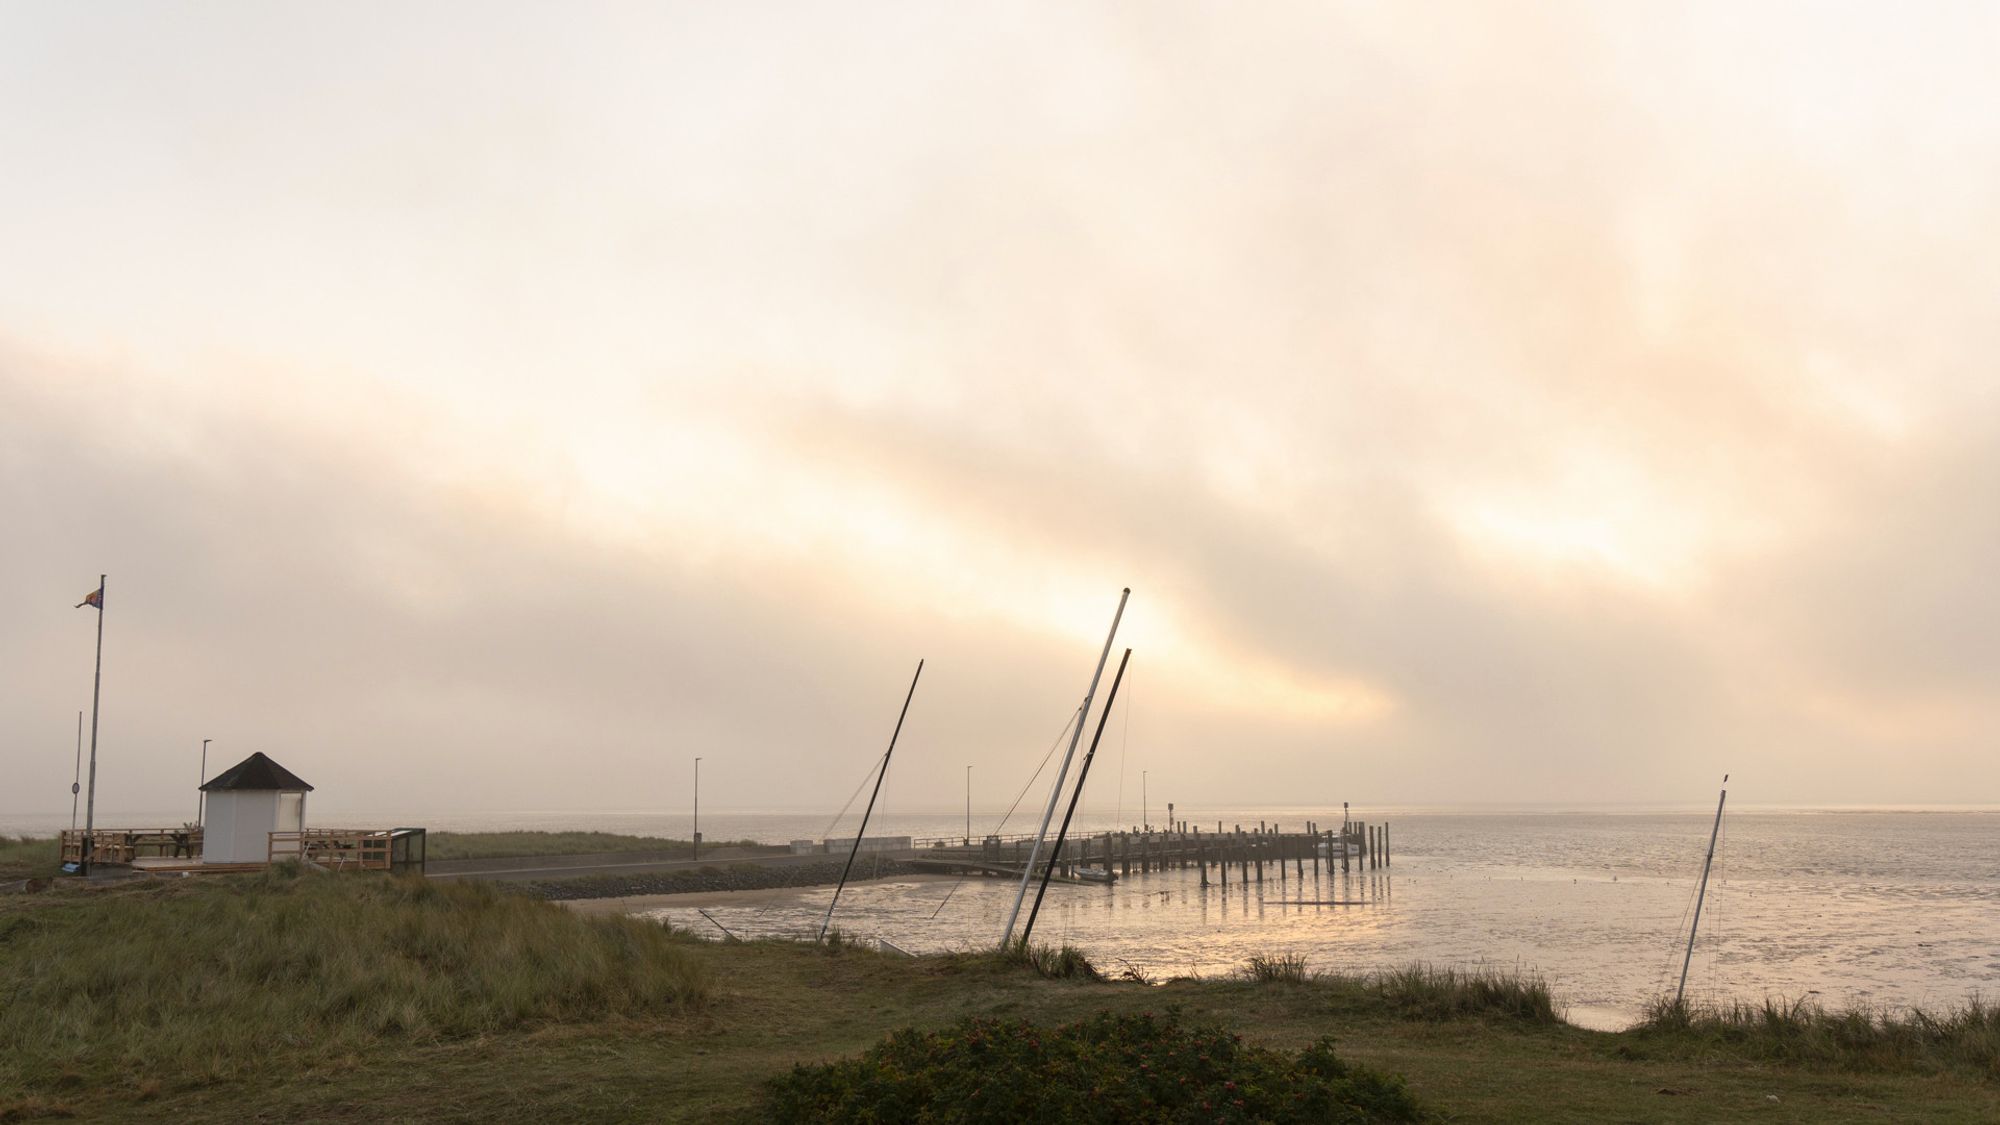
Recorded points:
518,1044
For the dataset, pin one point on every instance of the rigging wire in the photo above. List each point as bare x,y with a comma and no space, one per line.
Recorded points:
786,883
1075,717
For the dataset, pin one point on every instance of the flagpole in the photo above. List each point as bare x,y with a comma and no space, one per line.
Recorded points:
96,686
75,784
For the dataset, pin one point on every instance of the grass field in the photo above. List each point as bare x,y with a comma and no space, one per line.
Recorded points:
23,857
505,845
370,998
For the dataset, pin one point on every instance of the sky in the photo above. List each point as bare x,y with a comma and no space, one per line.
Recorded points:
496,406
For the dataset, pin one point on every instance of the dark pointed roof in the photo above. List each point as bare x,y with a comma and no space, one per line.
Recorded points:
256,772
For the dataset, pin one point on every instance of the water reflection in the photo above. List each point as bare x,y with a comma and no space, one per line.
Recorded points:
1596,904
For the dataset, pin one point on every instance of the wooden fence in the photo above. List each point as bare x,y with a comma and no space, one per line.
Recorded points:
356,849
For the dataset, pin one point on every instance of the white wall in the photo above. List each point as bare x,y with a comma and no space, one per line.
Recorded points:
238,826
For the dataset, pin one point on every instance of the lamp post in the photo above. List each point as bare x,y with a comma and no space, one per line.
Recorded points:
968,806
201,795
697,808
1145,809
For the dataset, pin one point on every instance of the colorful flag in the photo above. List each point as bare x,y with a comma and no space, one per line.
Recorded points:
95,597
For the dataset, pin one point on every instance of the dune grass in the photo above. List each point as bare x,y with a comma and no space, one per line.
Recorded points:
507,845
312,997
1421,991
1288,968
207,977
1967,1035
23,857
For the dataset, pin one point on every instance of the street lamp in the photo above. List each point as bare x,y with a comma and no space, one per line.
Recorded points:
968,806
200,794
697,808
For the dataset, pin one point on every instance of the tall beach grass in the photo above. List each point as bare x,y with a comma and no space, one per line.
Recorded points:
1799,1031
25,856
1420,991
206,977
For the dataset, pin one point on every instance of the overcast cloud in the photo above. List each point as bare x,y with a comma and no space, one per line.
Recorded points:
492,407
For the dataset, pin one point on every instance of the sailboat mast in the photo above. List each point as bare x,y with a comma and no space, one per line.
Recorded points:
1082,775
1703,893
862,831
1055,792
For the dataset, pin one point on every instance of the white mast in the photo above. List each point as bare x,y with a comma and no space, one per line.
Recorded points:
1055,792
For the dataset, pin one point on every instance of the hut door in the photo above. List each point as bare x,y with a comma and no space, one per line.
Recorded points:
291,812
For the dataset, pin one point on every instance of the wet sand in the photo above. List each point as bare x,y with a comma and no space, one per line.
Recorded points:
699,900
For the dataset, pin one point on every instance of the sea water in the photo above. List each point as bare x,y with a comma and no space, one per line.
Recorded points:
1889,908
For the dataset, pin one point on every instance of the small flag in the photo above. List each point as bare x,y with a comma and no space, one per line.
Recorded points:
95,597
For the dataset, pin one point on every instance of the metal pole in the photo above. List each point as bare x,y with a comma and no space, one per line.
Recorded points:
863,830
1145,804
968,806
1082,775
200,794
1055,792
697,808
96,686
1702,894
76,782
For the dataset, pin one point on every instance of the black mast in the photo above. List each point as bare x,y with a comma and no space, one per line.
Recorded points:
1081,775
863,830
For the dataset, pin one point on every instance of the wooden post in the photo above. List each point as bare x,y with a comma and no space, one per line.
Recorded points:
1314,826
1387,855
1200,859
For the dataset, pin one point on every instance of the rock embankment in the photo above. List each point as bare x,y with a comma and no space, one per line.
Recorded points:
730,877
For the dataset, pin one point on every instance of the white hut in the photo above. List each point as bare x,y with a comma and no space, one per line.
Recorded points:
246,803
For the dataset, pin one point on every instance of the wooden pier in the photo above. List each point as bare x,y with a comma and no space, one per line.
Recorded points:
1246,854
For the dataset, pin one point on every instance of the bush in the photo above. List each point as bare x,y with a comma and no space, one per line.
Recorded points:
1109,1068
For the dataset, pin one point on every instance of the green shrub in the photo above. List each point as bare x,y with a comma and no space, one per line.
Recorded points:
1109,1068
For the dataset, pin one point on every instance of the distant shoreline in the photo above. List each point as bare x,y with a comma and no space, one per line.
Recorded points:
698,900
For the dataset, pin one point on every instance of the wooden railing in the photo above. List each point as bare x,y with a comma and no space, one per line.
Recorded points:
123,845
354,849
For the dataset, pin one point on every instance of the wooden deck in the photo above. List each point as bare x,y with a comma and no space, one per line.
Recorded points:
177,851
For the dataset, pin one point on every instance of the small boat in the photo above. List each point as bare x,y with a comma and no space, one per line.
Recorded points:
1096,875
1335,847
